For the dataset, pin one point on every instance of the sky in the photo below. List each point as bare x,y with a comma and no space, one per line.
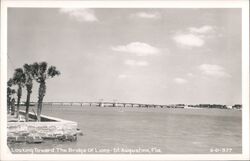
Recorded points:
160,56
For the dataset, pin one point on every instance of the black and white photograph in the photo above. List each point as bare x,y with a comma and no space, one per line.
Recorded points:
125,80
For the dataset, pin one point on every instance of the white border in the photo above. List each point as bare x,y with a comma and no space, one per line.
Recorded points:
243,4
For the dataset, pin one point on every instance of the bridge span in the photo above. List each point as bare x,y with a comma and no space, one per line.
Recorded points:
105,104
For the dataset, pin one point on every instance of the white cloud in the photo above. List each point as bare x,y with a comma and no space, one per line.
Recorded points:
202,30
190,40
147,15
80,14
194,36
190,74
136,63
142,63
213,70
130,62
122,76
180,80
138,48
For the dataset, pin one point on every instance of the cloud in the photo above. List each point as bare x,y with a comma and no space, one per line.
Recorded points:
136,63
80,14
138,48
130,62
180,81
147,15
213,70
190,74
194,36
142,63
202,30
122,76
190,40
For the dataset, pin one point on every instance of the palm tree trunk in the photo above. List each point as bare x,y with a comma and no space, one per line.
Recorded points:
8,104
41,93
12,106
27,106
19,94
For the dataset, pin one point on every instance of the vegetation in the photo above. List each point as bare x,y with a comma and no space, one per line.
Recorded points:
29,75
23,77
41,74
19,80
10,93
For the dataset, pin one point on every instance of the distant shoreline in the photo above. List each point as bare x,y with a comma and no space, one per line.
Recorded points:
142,107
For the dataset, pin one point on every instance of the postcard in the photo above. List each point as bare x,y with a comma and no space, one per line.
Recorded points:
125,80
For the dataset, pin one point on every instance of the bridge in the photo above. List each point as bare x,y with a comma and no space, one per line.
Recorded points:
105,104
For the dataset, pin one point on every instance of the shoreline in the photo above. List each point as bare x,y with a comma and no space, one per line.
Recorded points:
133,107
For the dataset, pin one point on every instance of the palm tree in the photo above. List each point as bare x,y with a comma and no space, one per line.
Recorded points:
19,80
41,74
29,75
10,92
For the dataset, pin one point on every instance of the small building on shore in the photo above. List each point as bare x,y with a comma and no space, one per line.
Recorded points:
237,106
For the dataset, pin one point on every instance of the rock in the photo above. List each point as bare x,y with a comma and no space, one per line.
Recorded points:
11,139
61,137
49,136
24,133
70,137
79,132
42,134
34,139
58,132
20,139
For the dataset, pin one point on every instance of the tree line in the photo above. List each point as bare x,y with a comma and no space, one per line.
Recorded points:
24,78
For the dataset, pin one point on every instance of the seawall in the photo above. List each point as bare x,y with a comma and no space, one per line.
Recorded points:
34,132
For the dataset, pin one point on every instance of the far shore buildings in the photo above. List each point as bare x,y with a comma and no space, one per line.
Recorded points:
218,106
237,106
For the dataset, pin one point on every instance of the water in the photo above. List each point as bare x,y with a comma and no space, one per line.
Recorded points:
148,131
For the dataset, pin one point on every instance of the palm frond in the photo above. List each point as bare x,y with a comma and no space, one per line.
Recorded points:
42,67
35,67
29,72
13,91
19,77
10,82
52,71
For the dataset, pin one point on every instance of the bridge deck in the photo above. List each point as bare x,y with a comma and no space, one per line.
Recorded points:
104,104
